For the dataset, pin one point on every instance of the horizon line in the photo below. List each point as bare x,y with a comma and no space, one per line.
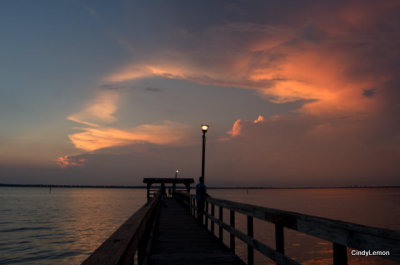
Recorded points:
210,187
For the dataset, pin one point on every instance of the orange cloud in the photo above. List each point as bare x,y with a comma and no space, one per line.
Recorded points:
101,109
326,58
237,126
69,161
97,136
313,74
320,75
101,137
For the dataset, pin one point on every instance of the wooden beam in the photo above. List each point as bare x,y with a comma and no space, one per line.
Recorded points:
169,180
120,247
348,234
339,232
264,249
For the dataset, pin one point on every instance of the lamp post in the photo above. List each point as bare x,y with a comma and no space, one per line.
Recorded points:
204,129
176,173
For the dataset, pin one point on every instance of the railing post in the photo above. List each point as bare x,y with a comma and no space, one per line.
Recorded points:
221,239
195,212
213,215
279,239
193,207
141,252
232,236
339,254
205,215
250,250
148,191
190,206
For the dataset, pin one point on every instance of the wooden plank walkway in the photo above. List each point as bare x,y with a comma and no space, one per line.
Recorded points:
180,240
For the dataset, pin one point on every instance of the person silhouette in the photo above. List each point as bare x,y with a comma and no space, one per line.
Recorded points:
201,194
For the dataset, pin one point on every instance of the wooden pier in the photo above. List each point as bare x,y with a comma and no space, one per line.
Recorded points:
165,232
180,240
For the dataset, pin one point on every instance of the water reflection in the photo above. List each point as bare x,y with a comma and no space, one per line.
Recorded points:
63,227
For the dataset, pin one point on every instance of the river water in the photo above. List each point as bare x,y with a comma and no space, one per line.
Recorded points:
65,225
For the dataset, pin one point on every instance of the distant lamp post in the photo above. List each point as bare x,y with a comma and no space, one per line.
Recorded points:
176,173
204,129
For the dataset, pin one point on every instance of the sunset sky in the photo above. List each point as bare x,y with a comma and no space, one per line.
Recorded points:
296,93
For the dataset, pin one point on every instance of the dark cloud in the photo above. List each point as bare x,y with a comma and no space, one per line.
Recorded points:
127,86
369,93
153,89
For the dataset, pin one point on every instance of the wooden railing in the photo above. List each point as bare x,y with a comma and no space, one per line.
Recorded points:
132,239
343,235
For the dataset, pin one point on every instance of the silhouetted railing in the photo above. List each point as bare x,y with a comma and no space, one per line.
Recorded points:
343,235
133,238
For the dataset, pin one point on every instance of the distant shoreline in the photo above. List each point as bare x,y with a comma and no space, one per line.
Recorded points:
211,187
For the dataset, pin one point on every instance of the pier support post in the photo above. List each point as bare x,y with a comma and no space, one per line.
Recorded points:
148,191
250,232
220,234
205,215
141,252
194,203
213,215
279,239
232,236
339,254
193,207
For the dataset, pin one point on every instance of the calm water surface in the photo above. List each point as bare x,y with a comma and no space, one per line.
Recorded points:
61,227
66,225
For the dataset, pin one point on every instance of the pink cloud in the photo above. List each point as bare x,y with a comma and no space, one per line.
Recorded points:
70,161
237,126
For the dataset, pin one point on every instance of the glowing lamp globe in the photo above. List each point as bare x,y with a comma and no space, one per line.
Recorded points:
204,128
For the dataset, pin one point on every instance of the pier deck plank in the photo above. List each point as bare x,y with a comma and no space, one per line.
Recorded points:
180,240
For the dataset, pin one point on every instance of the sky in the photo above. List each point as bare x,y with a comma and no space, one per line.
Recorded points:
296,93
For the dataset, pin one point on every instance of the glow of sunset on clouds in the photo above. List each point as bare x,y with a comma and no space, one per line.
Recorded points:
311,84
101,137
95,135
66,161
235,131
318,71
101,109
310,74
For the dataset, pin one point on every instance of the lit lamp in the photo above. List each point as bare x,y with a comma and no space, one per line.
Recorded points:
204,129
176,173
